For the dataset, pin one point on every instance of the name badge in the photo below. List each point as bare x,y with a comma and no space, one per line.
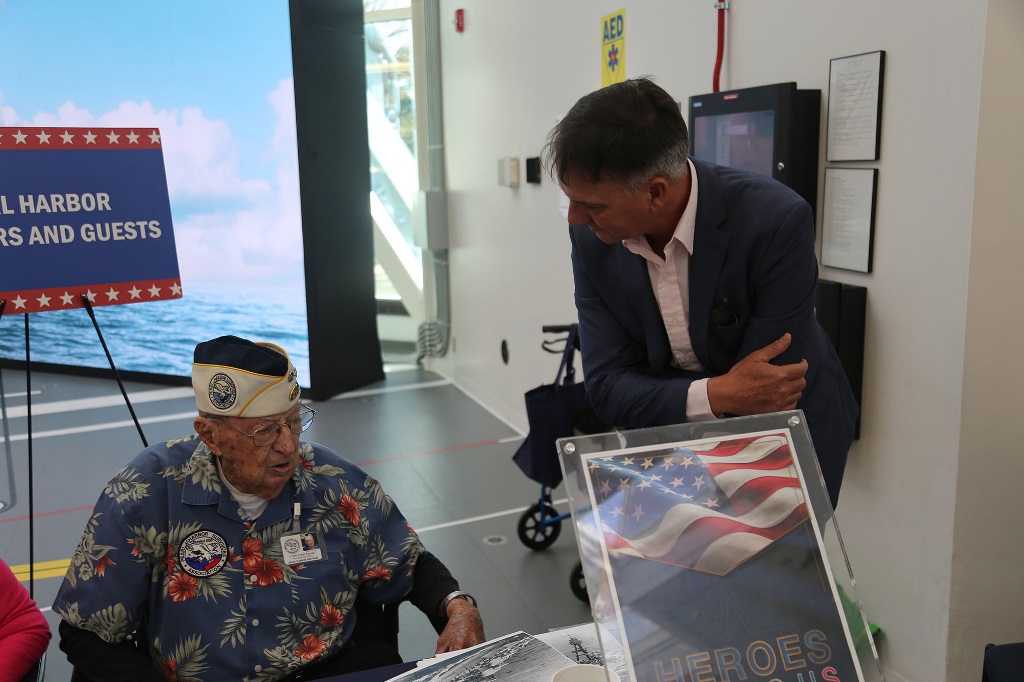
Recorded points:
301,548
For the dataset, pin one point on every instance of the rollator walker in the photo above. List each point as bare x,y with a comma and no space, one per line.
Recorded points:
554,411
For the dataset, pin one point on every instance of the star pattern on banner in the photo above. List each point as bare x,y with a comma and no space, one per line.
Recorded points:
80,138
42,300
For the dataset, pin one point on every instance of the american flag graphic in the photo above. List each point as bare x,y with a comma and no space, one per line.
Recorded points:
708,507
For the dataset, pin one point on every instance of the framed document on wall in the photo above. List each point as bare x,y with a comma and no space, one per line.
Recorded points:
855,107
848,218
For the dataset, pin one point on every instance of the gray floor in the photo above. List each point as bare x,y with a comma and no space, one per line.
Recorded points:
443,458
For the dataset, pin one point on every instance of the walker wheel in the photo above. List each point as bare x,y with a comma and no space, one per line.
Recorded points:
536,534
578,583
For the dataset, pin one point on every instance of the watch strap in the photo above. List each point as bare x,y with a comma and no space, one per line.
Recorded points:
457,594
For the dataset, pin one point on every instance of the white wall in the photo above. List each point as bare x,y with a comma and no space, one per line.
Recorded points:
518,66
989,553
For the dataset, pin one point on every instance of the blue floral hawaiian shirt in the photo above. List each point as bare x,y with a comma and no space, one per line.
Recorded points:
168,545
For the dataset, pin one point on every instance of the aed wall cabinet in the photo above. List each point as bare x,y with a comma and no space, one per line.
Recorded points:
769,129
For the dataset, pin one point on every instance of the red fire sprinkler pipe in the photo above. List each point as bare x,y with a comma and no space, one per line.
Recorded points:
722,8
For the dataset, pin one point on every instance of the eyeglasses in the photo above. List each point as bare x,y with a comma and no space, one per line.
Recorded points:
266,435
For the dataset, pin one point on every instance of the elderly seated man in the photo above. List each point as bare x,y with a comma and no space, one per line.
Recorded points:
195,549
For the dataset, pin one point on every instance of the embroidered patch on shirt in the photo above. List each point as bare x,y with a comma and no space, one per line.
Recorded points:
203,553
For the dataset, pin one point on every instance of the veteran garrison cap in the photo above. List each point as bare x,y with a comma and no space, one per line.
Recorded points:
235,377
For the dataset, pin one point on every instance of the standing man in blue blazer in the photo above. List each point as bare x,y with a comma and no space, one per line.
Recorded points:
695,283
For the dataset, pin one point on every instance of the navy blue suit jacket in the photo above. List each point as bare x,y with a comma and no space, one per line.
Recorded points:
753,277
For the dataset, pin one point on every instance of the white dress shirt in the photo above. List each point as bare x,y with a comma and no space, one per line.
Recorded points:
671,285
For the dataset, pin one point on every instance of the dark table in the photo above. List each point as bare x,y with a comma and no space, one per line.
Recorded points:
374,674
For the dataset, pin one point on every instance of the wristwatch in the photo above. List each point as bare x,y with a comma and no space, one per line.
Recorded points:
457,594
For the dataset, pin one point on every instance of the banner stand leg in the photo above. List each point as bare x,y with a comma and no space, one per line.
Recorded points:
8,454
31,487
10,458
87,304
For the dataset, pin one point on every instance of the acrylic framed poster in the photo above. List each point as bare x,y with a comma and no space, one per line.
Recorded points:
711,552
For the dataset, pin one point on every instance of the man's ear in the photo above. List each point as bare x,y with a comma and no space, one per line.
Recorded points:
658,188
205,429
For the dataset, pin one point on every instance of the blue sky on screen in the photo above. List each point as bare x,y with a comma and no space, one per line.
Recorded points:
214,75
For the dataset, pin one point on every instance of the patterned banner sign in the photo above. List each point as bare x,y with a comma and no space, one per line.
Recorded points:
84,212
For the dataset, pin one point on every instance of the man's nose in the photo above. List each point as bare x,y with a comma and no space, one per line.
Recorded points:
286,441
577,214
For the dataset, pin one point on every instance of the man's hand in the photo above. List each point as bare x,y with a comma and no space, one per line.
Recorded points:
755,386
465,627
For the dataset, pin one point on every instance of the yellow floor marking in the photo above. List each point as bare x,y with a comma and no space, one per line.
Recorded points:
43,569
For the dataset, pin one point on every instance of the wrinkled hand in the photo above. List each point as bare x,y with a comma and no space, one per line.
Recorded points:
755,386
465,627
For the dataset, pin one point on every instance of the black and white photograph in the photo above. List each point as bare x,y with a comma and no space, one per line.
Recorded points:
581,644
518,657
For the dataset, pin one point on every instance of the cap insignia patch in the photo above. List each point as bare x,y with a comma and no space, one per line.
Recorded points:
222,391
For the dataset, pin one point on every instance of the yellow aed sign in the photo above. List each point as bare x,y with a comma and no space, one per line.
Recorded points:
613,48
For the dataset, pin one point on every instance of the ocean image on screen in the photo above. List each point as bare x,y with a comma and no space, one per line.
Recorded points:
220,91
158,337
